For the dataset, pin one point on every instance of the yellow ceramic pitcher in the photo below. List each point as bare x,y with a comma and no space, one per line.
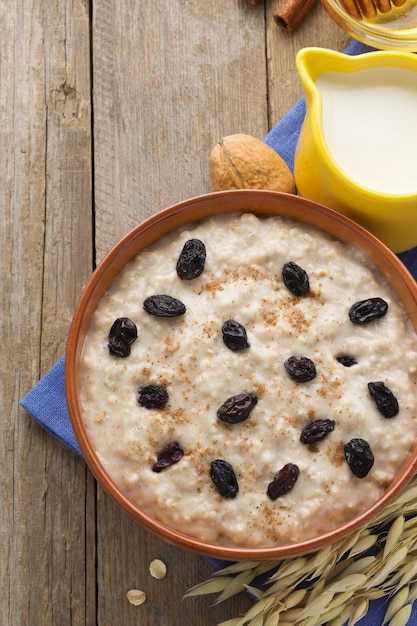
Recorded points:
320,170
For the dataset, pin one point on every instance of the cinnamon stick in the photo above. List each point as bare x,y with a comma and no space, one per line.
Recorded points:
290,13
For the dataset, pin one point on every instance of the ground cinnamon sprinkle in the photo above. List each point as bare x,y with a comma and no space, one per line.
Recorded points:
209,329
255,272
213,287
323,392
259,389
270,318
299,321
179,415
337,454
292,421
201,458
170,346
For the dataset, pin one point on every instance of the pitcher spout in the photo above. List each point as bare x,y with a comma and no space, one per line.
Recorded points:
312,62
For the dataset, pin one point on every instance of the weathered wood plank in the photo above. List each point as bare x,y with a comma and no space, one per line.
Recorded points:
124,552
317,29
45,255
68,262
170,79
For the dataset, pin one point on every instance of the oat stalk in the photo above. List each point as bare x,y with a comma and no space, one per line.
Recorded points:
335,584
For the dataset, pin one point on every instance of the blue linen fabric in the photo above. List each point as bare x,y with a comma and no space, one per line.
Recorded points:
46,402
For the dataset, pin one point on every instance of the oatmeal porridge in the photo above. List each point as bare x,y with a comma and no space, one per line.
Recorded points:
250,381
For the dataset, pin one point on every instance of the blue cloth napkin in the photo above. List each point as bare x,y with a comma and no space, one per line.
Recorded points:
46,402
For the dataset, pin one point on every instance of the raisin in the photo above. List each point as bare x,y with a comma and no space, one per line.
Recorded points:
224,478
153,397
300,368
283,481
359,457
191,261
366,311
169,456
122,334
386,402
234,335
237,408
164,306
295,279
317,431
346,360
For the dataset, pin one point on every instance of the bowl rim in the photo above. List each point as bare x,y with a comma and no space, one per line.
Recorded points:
261,203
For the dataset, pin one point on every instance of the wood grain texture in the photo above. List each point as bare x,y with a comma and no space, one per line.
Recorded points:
108,112
170,79
46,252
284,86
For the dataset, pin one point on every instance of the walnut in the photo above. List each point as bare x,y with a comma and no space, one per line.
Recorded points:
244,162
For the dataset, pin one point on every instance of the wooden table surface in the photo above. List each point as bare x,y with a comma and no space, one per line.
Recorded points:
108,112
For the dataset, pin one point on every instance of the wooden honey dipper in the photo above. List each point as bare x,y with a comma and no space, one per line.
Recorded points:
369,9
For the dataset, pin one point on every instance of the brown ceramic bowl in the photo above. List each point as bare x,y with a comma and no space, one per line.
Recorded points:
262,203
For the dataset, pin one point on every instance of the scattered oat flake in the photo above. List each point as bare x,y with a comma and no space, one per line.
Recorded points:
136,596
158,569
